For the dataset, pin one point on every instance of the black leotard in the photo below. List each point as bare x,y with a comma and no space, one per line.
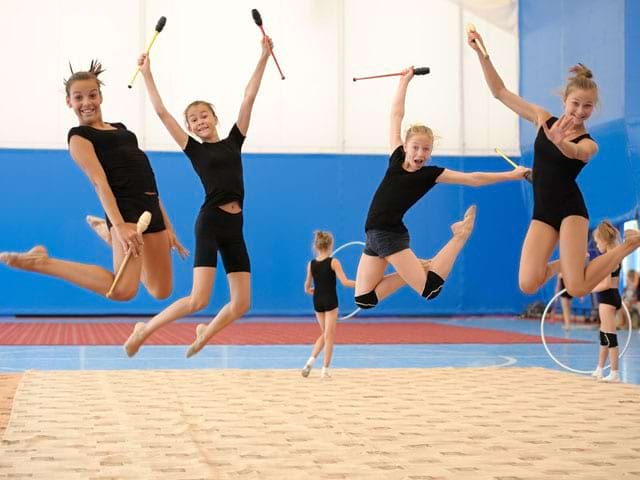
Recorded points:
324,282
555,192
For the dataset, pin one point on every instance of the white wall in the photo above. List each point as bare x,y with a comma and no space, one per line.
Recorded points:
209,49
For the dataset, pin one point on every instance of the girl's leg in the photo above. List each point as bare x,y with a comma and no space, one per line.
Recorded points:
566,312
446,257
317,347
91,277
157,275
331,318
573,248
370,274
411,269
538,245
240,292
203,278
608,325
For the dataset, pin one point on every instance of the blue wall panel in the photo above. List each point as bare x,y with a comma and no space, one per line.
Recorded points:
45,198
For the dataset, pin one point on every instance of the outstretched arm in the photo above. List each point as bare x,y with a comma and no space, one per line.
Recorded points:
397,109
336,266
534,113
170,123
251,91
307,282
478,179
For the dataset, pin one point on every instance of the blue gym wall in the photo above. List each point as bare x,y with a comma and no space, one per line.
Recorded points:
605,36
45,198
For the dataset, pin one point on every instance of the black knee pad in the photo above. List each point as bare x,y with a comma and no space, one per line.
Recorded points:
603,339
367,300
612,340
433,285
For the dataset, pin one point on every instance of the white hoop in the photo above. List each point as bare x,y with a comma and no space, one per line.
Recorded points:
566,367
342,247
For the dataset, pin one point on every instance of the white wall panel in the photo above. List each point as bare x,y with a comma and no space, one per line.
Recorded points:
209,49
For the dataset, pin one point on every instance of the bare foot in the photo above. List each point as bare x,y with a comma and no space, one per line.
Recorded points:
133,343
464,227
200,341
27,260
99,225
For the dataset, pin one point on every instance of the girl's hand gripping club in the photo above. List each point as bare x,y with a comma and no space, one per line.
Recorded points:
141,226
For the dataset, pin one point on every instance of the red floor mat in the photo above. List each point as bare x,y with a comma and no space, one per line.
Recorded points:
247,333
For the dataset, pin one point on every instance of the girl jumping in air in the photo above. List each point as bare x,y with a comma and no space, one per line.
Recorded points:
407,179
218,228
121,174
562,148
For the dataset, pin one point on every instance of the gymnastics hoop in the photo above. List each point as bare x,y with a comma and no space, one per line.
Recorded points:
342,247
566,367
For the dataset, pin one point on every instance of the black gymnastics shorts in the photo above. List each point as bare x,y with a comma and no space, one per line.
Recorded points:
325,303
217,230
132,207
381,243
611,297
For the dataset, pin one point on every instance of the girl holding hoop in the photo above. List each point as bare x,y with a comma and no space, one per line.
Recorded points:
324,269
607,238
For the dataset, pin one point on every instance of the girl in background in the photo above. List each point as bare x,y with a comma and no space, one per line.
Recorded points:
607,238
324,269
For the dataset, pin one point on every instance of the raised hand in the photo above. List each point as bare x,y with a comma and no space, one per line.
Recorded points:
407,74
560,131
144,63
267,46
475,42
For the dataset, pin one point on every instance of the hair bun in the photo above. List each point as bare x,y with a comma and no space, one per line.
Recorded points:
580,70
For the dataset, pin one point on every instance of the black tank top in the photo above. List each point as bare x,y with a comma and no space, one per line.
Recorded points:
324,278
127,167
219,166
554,174
616,272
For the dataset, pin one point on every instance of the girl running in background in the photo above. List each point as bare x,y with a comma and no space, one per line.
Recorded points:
323,270
607,238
